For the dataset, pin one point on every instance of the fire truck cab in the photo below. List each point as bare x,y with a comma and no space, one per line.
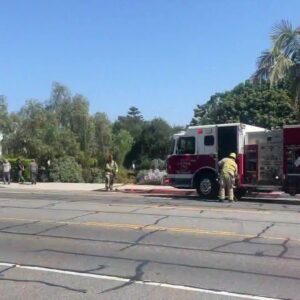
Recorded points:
266,159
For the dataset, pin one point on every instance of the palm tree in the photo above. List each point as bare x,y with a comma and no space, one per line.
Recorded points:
282,60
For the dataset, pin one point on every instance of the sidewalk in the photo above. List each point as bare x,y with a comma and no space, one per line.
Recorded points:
56,186
125,188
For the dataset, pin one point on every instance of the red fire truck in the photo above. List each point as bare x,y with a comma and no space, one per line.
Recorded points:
268,160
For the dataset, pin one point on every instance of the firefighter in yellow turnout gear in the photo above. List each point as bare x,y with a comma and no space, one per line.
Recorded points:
228,174
111,170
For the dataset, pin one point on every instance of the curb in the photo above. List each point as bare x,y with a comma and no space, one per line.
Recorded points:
159,192
277,198
274,200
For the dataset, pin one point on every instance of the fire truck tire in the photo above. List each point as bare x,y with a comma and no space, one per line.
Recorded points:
239,193
207,186
292,193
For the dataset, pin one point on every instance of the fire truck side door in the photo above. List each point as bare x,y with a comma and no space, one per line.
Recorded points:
207,141
185,154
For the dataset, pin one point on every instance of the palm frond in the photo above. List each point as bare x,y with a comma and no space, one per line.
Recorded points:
280,68
260,76
285,39
279,28
266,59
264,64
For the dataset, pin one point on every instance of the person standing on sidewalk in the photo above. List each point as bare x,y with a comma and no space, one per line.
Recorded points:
6,171
20,168
111,170
33,168
228,175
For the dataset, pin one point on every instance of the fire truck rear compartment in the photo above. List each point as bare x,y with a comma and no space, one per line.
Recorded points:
227,141
264,158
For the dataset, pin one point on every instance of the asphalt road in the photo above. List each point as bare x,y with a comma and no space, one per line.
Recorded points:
98,245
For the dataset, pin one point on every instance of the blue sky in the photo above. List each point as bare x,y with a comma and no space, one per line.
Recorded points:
164,57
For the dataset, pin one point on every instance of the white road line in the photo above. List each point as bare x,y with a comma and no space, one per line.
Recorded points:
149,283
7,265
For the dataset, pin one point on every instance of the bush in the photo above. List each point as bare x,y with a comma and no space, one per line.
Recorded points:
86,175
65,169
123,176
154,177
158,164
97,175
145,164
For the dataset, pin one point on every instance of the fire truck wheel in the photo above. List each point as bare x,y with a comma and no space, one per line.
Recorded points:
292,193
239,193
207,186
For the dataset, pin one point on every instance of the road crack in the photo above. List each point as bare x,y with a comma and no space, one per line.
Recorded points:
45,283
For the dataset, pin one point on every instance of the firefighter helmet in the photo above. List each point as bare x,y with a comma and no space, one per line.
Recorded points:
232,155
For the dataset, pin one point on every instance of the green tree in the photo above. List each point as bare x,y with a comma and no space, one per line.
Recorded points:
156,138
26,135
65,144
153,142
134,113
38,135
80,123
133,122
282,60
60,104
103,137
247,103
4,116
121,145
